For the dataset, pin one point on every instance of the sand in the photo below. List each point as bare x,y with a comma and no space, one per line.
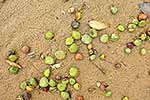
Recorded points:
24,22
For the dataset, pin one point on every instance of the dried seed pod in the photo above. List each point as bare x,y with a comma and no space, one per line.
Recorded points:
142,16
78,15
25,49
97,25
130,45
78,56
80,98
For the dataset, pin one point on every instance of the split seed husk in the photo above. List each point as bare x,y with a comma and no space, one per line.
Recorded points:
60,54
114,10
97,25
104,38
121,28
143,51
74,72
49,35
43,82
49,60
86,39
93,33
75,24
92,57
76,86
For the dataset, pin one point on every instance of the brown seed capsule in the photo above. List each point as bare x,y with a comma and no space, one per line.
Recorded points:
46,89
142,16
58,77
148,31
80,98
27,96
130,45
78,56
91,89
148,72
25,49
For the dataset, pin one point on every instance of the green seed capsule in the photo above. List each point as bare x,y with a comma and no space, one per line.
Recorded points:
43,82
74,72
143,51
13,58
75,24
104,38
92,57
33,82
65,95
72,81
135,21
91,52
108,93
86,39
52,83
23,85
49,35
93,33
102,56
114,37
137,42
60,54
114,10
121,28
69,41
13,70
47,72
65,81
143,36
76,86
49,60
125,98
142,23
76,35
73,48
61,87
127,50
131,27
52,89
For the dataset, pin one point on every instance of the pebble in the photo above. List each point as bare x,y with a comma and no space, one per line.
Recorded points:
80,98
78,56
27,96
25,49
118,65
58,77
130,45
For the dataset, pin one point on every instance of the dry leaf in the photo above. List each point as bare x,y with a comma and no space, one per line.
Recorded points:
13,64
97,25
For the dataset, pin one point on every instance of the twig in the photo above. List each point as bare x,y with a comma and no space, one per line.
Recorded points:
100,69
13,64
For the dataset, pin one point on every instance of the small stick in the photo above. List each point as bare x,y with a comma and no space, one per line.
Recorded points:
100,69
13,64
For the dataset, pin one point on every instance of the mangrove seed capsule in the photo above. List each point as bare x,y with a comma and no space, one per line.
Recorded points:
52,83
108,93
75,24
49,35
47,72
121,28
65,95
93,33
135,21
60,54
137,42
13,58
61,86
76,86
86,39
23,85
33,82
114,37
102,56
13,70
72,81
131,27
104,38
74,72
92,57
142,23
76,35
69,41
143,51
43,82
73,48
49,60
114,10
127,50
